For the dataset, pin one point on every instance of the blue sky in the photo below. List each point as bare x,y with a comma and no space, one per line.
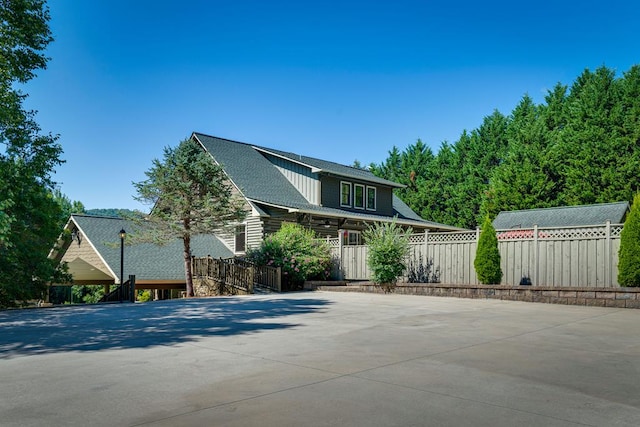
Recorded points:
337,80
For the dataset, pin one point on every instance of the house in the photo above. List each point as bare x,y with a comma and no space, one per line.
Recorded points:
330,198
563,216
90,245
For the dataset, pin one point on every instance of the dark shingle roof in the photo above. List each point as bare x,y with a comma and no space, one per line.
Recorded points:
257,178
146,260
333,168
564,216
261,182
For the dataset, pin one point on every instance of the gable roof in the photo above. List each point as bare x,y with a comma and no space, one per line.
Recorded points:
563,216
324,166
261,183
146,260
255,176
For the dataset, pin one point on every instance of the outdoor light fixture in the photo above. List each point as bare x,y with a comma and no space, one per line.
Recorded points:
327,224
75,235
123,234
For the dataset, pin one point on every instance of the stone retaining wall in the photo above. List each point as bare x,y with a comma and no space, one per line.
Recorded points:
597,297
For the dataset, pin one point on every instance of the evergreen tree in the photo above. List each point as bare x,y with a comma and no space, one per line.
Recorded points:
629,253
523,180
190,195
487,261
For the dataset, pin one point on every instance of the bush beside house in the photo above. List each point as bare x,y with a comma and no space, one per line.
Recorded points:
487,261
629,253
298,251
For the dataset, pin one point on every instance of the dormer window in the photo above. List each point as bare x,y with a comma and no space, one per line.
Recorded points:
371,198
358,196
345,194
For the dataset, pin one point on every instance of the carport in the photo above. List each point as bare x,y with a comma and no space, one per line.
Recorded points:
91,248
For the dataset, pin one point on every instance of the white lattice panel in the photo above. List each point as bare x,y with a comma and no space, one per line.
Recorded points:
515,234
416,238
616,230
452,237
573,233
333,242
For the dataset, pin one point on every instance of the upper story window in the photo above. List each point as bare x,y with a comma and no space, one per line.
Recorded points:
358,196
345,194
371,198
241,238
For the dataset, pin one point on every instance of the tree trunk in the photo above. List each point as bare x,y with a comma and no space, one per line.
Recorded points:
187,259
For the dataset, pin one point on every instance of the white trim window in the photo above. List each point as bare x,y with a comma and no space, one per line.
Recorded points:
371,198
240,238
358,196
345,194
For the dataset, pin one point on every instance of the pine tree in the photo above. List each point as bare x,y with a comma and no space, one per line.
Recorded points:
190,195
487,261
629,253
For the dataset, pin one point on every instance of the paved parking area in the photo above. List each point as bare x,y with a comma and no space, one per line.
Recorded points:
321,359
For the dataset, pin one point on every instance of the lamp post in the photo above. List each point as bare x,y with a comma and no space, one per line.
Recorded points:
123,234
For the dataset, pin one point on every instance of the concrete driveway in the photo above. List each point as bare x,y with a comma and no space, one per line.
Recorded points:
321,359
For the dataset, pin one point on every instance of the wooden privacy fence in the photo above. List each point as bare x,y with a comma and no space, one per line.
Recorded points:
585,256
237,273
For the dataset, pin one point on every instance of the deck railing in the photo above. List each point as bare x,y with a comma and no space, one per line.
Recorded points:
122,293
237,273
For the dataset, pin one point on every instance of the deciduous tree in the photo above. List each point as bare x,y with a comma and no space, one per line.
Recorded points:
28,213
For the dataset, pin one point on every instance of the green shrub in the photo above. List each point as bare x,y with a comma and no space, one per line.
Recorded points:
87,294
298,251
423,272
487,262
388,247
629,253
144,296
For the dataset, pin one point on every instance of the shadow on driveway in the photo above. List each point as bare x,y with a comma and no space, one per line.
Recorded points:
114,326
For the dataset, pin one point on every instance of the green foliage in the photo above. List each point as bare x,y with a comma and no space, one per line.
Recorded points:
298,251
29,215
629,253
111,212
388,247
190,195
579,146
487,262
87,294
67,207
422,272
144,296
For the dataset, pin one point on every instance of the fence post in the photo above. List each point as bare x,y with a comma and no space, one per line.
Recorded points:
279,279
425,253
132,288
607,255
536,253
341,264
473,268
